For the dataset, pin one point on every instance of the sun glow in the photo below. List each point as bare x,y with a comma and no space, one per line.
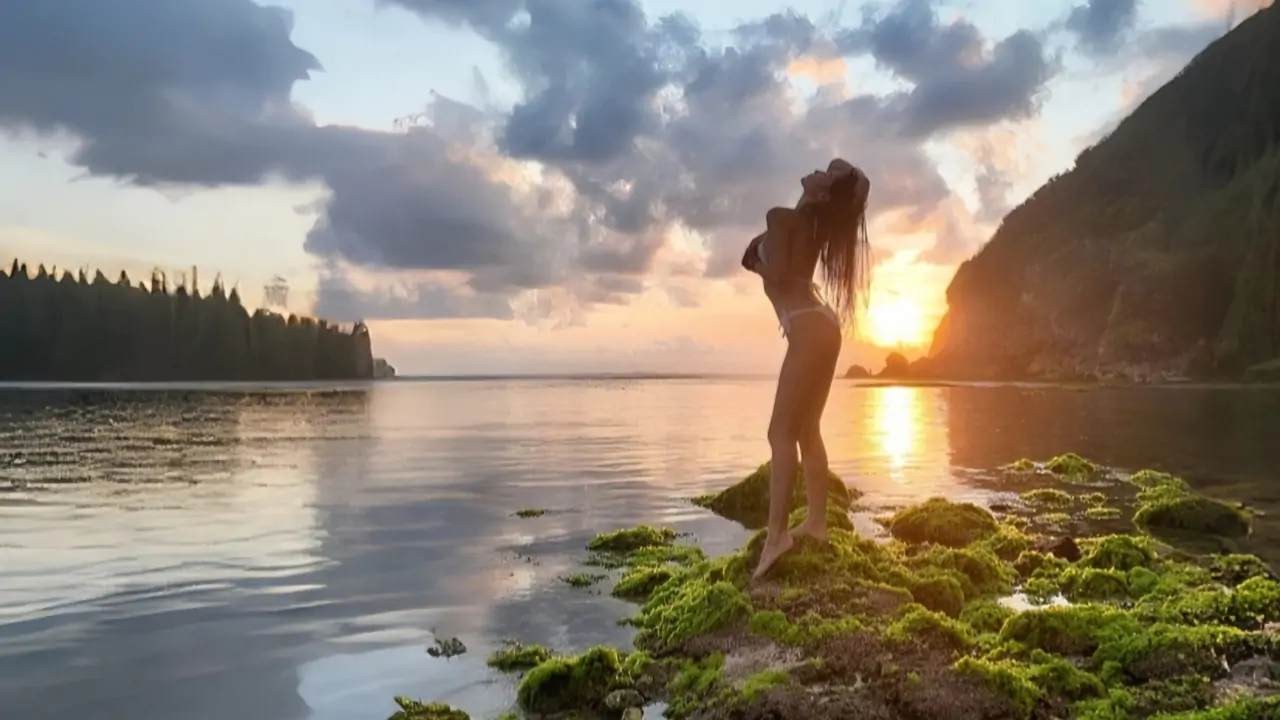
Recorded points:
896,321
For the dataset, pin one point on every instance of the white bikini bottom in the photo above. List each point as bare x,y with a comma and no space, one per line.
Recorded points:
785,317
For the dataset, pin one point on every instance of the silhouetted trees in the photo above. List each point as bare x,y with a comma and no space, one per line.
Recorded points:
59,326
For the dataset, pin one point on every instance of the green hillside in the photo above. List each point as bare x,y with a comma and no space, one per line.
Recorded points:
1156,255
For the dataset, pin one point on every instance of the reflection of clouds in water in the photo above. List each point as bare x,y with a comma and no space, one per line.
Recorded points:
362,685
367,525
139,596
229,506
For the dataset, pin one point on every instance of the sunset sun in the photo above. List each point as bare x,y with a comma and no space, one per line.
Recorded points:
896,321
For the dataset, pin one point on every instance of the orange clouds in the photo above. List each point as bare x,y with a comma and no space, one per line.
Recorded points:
1236,10
824,71
1011,148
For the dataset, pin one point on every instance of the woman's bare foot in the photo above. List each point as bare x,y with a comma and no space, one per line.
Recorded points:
773,551
807,530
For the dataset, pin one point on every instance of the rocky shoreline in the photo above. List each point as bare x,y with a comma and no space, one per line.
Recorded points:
963,612
926,371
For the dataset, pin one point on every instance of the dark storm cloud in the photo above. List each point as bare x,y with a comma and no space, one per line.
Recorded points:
645,120
1101,25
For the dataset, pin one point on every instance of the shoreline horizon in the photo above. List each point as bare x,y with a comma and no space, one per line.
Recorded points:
250,385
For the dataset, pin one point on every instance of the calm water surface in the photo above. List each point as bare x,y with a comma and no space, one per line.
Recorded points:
290,555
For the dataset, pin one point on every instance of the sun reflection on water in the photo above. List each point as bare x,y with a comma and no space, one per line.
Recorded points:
897,414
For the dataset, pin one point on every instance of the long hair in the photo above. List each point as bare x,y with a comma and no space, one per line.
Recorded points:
840,228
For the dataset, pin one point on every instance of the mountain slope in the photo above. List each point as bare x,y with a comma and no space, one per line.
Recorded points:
1157,254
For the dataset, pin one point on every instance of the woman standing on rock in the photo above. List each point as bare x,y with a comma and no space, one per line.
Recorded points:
827,225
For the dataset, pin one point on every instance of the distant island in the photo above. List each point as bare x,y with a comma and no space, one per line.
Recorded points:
1157,257
73,328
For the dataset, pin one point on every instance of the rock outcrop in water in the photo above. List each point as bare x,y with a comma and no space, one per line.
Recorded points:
747,502
1157,255
383,370
60,327
961,610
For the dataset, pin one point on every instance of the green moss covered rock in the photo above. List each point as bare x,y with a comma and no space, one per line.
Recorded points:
517,656
1186,513
855,628
943,522
415,710
747,502
580,683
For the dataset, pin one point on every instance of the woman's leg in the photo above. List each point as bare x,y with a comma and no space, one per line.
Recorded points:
784,458
813,451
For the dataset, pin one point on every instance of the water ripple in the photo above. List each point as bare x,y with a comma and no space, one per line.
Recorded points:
290,554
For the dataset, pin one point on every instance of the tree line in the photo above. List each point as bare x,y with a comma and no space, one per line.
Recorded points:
56,326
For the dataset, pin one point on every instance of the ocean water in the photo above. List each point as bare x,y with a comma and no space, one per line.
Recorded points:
224,552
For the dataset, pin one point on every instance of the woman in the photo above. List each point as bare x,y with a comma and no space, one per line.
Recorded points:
828,224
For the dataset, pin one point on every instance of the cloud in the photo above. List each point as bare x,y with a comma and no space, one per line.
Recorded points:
1232,12
340,296
707,137
633,126
1101,25
180,91
957,79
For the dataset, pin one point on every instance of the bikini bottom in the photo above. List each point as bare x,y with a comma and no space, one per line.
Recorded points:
785,317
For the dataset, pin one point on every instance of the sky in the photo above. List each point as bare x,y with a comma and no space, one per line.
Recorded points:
545,186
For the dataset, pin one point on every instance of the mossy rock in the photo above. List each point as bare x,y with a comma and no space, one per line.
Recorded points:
1101,514
884,630
943,522
941,592
416,710
1048,498
515,656
837,517
747,502
642,581
580,683
1117,552
986,616
1234,569
1192,513
979,570
1070,465
693,602
629,540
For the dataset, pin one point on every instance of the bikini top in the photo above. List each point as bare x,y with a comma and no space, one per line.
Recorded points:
796,280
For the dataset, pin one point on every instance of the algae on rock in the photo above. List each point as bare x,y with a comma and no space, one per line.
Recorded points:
943,522
747,502
579,684
415,710
896,630
1191,513
517,656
